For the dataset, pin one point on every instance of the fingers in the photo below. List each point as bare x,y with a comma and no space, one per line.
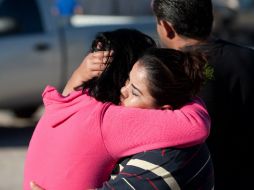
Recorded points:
97,61
34,186
96,73
103,56
95,65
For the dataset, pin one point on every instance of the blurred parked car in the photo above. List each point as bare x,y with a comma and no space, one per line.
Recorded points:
37,48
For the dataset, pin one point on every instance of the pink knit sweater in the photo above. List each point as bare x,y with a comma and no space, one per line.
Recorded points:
78,140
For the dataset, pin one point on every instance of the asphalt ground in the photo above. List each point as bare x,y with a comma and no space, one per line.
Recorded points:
15,134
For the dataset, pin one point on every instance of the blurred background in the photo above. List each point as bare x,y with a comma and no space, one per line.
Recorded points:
42,41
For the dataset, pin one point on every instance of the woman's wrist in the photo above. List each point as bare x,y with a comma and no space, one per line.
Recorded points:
76,80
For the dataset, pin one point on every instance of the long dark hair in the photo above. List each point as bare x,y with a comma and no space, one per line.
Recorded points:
127,45
174,76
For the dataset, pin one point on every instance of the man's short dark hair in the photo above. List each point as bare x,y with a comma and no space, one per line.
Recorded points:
189,18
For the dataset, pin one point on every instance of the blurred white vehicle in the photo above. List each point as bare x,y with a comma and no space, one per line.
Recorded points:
37,48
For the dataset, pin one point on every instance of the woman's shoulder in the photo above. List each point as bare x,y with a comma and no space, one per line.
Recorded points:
52,95
78,99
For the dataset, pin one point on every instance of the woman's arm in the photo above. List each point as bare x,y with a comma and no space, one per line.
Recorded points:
127,131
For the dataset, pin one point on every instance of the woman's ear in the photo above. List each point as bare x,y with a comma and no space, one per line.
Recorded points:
169,30
166,107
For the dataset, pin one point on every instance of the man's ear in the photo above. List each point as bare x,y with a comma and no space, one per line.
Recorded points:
169,30
166,107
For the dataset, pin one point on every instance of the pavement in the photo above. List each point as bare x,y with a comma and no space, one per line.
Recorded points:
11,164
15,134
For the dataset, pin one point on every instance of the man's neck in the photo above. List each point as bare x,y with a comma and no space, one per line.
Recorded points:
181,42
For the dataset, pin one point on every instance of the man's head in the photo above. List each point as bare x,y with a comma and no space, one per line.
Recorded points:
192,19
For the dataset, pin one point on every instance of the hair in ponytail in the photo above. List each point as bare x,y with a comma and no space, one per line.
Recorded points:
174,76
194,66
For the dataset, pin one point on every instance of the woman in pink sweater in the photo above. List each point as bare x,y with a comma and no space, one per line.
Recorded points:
78,140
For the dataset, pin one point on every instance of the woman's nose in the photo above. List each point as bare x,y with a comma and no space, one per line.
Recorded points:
124,92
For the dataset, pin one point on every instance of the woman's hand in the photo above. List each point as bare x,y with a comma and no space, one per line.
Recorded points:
34,186
92,65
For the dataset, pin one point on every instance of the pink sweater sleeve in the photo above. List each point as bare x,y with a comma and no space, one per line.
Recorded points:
127,131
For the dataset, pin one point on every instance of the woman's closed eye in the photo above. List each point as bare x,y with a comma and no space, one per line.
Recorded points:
134,93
